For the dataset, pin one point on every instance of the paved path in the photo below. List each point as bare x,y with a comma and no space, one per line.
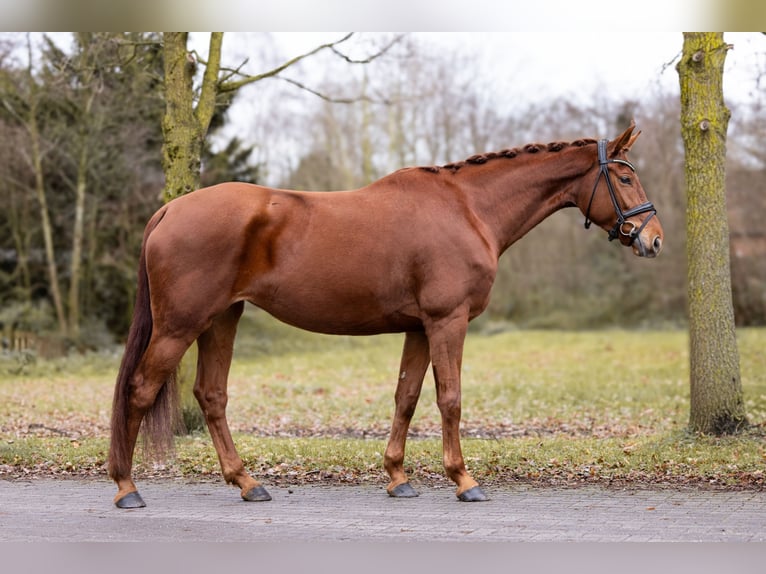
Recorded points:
74,510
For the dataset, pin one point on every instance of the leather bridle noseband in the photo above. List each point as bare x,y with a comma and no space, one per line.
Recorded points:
622,216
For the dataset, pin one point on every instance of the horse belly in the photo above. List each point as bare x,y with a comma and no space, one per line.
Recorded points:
334,302
339,321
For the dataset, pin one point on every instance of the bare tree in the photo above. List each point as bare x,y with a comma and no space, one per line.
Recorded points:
28,118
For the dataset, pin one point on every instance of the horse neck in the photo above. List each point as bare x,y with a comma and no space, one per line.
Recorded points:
513,195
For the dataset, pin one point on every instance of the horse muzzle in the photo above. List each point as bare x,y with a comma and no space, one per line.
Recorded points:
644,245
645,238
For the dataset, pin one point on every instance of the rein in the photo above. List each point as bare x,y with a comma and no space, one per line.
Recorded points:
622,216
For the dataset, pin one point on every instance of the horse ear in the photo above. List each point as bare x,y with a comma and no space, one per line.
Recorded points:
632,139
623,141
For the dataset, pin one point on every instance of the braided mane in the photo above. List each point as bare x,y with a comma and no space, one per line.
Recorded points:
508,154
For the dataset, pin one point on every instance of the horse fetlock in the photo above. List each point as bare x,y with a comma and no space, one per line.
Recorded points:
393,459
396,480
239,477
455,469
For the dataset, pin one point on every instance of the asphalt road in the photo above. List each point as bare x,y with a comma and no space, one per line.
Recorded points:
71,526
82,511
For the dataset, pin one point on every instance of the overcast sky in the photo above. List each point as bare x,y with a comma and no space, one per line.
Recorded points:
553,63
562,63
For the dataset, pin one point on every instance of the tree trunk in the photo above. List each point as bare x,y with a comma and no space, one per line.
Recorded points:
45,221
716,391
182,137
19,224
78,230
185,127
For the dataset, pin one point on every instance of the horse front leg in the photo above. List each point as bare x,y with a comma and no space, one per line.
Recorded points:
215,349
446,339
415,360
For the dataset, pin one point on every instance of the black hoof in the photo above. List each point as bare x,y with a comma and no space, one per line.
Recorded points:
474,494
257,494
130,500
403,490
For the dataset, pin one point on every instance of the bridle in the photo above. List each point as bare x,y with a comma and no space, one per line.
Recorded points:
622,216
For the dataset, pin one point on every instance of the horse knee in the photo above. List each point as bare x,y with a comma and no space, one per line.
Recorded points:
407,408
449,405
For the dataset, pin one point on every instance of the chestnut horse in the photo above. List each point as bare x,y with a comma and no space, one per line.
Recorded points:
415,252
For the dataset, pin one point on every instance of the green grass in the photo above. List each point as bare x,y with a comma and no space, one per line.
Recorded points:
541,406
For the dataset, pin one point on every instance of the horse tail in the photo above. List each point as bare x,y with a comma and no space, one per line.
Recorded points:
139,335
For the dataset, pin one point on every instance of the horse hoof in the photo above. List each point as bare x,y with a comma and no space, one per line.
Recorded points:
130,500
474,494
257,494
403,490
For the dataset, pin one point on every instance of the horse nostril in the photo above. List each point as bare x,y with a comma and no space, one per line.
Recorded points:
657,244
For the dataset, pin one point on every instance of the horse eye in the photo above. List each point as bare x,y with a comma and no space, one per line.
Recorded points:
625,179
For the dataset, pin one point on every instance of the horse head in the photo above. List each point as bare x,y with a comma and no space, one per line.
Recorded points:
617,202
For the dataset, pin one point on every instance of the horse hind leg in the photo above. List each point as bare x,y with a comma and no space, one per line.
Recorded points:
148,397
415,360
215,349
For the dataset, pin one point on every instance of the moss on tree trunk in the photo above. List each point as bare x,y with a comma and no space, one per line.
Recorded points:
185,126
182,135
716,391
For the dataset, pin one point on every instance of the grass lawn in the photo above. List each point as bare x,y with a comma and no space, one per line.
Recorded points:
546,407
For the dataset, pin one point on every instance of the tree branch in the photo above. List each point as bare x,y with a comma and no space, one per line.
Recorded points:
231,72
371,58
206,105
331,99
224,87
